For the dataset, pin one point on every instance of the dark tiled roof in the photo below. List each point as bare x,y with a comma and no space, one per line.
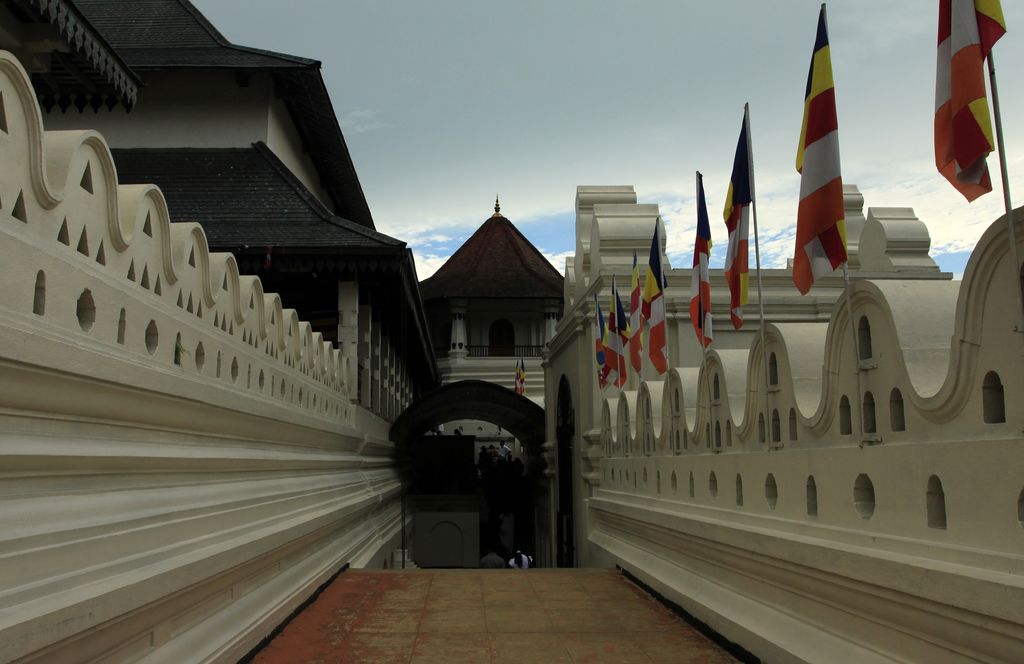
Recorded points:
173,34
244,197
496,261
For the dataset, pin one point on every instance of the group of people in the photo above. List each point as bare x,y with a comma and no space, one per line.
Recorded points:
505,513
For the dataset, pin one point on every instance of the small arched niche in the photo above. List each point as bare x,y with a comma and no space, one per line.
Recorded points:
897,419
993,404
864,339
845,422
869,413
936,503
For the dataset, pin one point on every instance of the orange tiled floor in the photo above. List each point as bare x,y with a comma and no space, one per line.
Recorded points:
516,616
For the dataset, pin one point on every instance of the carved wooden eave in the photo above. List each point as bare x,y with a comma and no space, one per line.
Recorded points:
110,80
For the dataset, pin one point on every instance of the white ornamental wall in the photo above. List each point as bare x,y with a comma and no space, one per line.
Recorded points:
807,501
180,459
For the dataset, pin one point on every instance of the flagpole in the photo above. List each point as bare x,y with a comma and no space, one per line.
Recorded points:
849,315
757,258
703,320
1006,192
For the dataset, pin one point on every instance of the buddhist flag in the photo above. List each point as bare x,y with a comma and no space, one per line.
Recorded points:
700,285
963,129
737,221
654,305
521,377
613,346
622,325
636,339
603,368
820,219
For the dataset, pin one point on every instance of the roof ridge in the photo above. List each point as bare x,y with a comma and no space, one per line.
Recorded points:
298,59
314,203
204,22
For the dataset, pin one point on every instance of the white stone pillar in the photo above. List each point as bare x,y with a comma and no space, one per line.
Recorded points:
459,343
550,320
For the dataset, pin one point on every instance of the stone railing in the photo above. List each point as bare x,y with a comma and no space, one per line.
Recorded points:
182,461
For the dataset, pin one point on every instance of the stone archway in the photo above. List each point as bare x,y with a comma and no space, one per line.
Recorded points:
472,399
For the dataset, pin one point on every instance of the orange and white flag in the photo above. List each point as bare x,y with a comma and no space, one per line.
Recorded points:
963,127
821,218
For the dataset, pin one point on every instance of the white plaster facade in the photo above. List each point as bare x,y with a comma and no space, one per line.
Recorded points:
202,109
807,502
183,460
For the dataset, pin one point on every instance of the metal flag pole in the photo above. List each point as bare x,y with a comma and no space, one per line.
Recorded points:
703,319
1006,192
757,256
849,315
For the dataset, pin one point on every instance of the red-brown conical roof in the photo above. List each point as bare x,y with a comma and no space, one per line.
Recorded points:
496,261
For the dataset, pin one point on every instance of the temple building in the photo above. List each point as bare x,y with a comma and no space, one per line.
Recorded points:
245,142
494,303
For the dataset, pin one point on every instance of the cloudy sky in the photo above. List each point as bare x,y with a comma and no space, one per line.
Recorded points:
446,103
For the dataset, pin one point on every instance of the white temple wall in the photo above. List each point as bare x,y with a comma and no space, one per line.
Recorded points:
182,459
906,545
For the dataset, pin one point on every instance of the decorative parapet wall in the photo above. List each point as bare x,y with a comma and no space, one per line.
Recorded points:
181,459
817,500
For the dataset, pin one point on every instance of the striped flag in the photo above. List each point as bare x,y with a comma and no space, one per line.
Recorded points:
603,368
521,377
820,219
625,334
700,285
636,339
654,305
737,221
963,129
614,358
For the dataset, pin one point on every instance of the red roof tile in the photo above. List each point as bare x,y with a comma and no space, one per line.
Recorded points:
496,261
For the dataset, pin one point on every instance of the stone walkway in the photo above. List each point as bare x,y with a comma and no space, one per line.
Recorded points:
479,616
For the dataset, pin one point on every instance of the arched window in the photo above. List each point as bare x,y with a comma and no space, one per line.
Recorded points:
792,423
936,503
845,423
760,428
869,413
776,427
715,388
897,421
992,399
812,496
501,339
773,370
864,338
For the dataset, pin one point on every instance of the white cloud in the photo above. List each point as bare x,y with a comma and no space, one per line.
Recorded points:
428,264
359,121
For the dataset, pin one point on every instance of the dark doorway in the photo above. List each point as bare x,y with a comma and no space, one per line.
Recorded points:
501,339
565,431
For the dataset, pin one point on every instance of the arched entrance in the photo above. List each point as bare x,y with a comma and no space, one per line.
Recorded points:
472,399
497,504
